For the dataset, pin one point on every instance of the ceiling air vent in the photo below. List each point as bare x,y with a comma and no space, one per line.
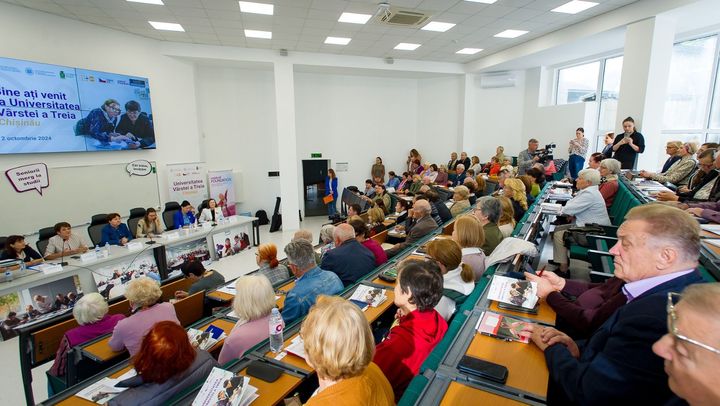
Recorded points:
403,18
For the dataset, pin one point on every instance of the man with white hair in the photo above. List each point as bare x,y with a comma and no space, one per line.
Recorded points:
424,225
350,260
588,206
459,175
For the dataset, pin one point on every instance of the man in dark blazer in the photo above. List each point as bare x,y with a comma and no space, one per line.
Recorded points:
350,260
424,225
657,252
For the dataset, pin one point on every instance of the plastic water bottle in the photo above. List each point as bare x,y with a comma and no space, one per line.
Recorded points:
106,250
276,331
8,276
97,251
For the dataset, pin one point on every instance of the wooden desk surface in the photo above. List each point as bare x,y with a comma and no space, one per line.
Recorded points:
78,401
708,234
100,350
273,393
379,281
222,296
526,365
714,248
458,394
545,313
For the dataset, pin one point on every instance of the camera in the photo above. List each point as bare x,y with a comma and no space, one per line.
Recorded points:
545,154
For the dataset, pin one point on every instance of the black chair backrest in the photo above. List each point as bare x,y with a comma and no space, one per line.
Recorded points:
170,209
490,188
43,236
135,215
2,242
203,205
97,222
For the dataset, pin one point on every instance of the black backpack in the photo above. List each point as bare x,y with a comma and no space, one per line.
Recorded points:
262,217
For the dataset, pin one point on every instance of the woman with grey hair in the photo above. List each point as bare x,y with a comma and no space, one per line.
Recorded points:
488,210
326,237
609,170
91,313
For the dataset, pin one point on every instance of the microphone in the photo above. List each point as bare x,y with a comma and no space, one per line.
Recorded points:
151,242
62,256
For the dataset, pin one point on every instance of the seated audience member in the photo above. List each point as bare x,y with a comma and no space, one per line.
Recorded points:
212,213
680,171
459,175
515,191
527,181
354,210
433,207
362,236
369,188
538,181
475,164
144,297
91,314
166,365
419,326
185,217
65,243
442,176
349,260
506,224
8,325
417,167
339,345
311,281
595,159
587,207
507,166
202,279
488,211
424,225
608,148
376,219
393,180
609,171
253,302
266,258
502,176
472,187
115,232
303,234
16,248
404,183
442,210
701,185
401,210
672,148
326,239
468,234
691,346
481,185
31,312
461,204
136,126
43,303
149,225
61,302
458,278
432,173
416,184
381,196
581,307
657,253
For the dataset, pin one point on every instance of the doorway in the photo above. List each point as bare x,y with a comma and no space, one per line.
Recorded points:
314,174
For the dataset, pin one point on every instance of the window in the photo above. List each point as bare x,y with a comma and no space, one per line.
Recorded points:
578,83
609,99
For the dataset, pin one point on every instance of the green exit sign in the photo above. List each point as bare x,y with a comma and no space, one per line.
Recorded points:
315,155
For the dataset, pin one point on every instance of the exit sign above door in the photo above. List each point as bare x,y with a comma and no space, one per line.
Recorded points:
315,155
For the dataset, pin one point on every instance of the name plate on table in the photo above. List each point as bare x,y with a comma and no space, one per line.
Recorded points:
88,256
172,236
134,245
206,226
48,268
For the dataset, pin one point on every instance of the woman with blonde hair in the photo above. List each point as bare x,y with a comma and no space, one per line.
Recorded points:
266,258
506,224
458,278
469,234
515,191
376,217
254,300
340,347
461,194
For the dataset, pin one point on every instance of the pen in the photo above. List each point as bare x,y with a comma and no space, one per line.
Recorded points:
541,271
496,337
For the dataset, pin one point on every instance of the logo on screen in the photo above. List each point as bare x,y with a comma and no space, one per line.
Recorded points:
29,71
137,82
101,80
62,75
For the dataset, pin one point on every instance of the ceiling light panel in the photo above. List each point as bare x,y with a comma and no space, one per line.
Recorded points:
256,8
510,34
574,7
337,40
166,26
404,46
258,34
354,18
482,1
469,51
157,2
437,26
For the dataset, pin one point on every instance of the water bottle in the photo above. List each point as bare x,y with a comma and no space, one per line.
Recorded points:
106,251
276,331
8,276
97,251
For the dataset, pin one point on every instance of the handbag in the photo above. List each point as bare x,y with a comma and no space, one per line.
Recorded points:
578,235
328,199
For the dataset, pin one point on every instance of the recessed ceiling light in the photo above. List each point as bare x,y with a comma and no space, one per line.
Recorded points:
256,8
258,34
469,51
158,2
483,1
337,40
404,46
510,34
354,18
167,26
574,7
437,26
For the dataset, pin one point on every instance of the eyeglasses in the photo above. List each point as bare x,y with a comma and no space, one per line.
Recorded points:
673,298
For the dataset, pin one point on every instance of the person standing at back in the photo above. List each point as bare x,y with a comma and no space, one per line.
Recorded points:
378,169
577,149
331,186
628,145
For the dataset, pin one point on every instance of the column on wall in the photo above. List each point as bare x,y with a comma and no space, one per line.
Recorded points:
287,144
468,134
643,85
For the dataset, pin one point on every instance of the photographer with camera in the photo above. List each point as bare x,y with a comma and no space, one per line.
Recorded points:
527,158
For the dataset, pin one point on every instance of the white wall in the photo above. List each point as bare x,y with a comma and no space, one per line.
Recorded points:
353,119
499,118
439,116
237,115
46,38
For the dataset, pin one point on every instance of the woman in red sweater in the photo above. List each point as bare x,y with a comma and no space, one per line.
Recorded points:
417,328
361,235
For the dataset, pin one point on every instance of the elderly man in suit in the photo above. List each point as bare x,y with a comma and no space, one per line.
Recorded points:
657,253
350,260
424,225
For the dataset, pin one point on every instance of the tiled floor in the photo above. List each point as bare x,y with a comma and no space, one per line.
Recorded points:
11,386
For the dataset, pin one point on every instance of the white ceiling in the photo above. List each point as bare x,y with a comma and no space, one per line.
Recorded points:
302,25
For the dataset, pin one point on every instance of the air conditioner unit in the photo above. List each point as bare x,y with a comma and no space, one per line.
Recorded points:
403,18
497,80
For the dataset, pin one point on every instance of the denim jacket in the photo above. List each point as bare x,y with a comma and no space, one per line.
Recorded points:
313,283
